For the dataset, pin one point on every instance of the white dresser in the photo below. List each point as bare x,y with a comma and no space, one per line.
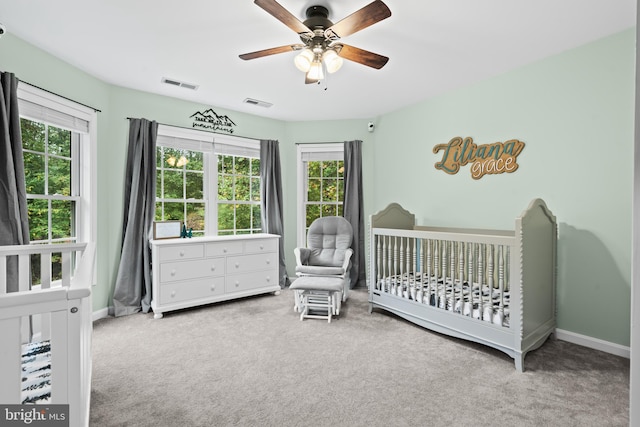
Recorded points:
202,270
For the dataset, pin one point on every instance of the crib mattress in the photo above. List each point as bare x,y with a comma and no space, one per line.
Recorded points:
36,372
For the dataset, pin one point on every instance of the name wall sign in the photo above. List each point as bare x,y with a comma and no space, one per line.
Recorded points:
492,159
210,120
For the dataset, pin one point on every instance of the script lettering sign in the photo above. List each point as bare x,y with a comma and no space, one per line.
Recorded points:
492,159
212,121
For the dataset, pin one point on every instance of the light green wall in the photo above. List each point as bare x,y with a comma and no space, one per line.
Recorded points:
574,111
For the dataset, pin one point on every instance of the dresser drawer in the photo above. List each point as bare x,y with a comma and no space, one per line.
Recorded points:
172,271
254,262
173,253
244,282
227,247
261,245
191,290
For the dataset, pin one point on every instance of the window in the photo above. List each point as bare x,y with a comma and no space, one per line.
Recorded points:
210,183
180,187
320,184
238,195
58,146
51,169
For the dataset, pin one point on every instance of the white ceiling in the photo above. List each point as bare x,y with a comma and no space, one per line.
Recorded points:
434,46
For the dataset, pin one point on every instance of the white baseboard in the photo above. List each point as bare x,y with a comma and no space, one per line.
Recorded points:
100,314
561,334
594,343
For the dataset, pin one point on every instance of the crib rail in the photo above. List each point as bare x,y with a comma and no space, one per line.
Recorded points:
23,253
467,274
56,312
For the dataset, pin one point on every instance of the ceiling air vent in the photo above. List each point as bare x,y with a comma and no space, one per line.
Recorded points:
174,82
256,102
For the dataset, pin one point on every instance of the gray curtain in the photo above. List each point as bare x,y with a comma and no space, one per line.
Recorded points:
133,283
14,220
354,209
271,198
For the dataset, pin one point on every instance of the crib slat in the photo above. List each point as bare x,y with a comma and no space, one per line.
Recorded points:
378,263
429,271
45,270
66,269
24,272
453,271
471,261
391,273
3,274
500,285
443,274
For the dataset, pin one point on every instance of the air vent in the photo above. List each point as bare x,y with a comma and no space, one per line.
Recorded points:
174,82
256,102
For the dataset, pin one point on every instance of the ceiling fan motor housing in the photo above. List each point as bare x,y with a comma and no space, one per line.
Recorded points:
317,18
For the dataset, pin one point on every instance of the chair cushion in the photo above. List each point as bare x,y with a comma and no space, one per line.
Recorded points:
334,284
328,239
318,270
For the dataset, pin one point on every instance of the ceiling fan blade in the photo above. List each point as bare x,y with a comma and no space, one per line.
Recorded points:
362,56
272,51
363,18
276,10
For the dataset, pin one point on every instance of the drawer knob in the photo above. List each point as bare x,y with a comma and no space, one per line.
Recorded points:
237,283
237,264
224,250
213,288
261,247
213,268
181,253
173,294
268,261
173,272
268,279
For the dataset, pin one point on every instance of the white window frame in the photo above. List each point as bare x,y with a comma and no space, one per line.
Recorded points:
305,153
194,140
211,145
41,106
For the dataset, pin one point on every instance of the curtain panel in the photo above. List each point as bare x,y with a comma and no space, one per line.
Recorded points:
354,208
132,292
14,219
271,198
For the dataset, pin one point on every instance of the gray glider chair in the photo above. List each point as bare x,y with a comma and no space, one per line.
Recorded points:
328,253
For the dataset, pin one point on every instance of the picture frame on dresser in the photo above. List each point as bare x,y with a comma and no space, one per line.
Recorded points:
170,229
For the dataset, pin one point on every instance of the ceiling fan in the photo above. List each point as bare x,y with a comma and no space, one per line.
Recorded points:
320,37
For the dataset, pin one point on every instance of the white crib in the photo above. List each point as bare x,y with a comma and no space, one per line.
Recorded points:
54,315
495,287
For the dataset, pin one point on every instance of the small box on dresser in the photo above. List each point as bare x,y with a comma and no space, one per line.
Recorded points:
203,270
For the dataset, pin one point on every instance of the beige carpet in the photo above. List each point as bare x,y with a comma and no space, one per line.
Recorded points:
252,362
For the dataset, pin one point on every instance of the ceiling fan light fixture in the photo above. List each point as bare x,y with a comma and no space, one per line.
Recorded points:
304,60
331,60
315,72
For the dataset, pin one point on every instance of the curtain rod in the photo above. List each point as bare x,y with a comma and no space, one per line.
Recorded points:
323,142
217,133
61,96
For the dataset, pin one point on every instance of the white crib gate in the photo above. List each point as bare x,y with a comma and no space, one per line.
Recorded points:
54,313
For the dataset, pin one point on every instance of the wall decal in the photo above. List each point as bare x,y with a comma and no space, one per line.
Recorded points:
210,120
492,159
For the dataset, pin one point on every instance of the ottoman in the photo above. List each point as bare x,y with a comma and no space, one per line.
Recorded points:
315,295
